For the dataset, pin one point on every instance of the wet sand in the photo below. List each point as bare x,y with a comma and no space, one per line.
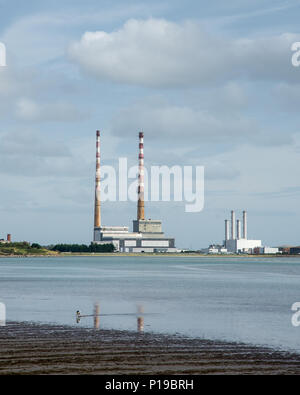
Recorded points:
43,349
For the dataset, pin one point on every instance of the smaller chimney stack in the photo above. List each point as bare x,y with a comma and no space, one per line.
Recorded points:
238,229
232,225
245,231
226,229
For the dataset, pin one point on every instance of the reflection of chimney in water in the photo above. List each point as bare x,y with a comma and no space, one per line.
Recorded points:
140,319
140,324
96,316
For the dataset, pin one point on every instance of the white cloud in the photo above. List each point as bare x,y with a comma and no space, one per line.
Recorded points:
288,97
13,82
61,111
28,153
27,95
38,38
157,53
185,124
30,41
29,143
221,171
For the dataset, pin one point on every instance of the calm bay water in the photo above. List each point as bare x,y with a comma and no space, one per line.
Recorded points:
235,299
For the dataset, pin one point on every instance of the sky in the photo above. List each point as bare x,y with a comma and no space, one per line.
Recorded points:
210,83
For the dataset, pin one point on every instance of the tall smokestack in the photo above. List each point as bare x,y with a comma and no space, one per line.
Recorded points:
9,237
97,221
141,185
226,229
238,229
245,225
232,225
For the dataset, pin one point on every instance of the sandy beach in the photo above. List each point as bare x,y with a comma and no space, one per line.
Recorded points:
44,349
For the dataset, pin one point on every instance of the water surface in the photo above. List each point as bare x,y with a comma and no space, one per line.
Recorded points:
235,299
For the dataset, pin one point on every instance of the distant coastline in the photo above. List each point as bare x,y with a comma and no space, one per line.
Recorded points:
157,255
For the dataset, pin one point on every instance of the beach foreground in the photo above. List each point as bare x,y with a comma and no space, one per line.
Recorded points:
44,349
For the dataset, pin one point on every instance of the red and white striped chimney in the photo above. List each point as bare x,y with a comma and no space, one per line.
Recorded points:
141,181
97,222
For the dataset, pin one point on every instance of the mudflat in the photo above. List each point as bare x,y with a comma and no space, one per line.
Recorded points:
48,349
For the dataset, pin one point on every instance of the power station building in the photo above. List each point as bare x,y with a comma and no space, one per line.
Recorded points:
236,239
147,235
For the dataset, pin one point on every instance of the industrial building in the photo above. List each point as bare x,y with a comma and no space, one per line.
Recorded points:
291,250
214,249
266,250
236,241
147,235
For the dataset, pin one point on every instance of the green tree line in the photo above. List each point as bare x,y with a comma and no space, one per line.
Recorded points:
97,248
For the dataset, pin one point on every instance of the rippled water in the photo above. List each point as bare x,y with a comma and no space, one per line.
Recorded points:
235,299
